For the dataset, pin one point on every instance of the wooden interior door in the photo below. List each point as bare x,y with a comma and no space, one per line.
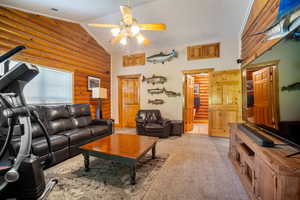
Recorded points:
224,101
129,92
262,87
189,103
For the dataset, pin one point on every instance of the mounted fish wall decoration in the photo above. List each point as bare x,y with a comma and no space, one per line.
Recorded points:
155,91
295,86
171,93
162,57
155,79
156,101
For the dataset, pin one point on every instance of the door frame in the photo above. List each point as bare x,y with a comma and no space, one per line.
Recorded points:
192,72
275,103
120,103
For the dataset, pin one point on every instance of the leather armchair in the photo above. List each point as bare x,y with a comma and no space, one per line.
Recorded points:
151,123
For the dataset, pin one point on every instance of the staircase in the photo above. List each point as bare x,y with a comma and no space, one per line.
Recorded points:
201,115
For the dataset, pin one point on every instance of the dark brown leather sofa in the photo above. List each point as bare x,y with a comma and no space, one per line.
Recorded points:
69,126
151,123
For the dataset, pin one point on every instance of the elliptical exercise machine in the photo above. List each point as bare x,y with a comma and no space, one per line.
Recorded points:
21,176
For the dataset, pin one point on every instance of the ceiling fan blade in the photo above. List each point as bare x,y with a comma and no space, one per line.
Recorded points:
117,38
126,15
153,27
105,25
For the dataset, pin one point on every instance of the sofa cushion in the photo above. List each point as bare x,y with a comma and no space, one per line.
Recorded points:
58,119
83,121
37,130
81,115
78,110
40,146
56,112
152,127
98,130
78,136
60,125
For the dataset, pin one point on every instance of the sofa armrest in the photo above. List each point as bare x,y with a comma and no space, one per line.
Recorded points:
139,121
165,122
107,122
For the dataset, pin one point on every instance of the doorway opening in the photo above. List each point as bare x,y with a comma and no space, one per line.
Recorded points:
196,95
201,82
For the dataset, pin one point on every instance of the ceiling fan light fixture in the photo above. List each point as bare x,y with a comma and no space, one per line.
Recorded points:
115,31
140,38
123,41
135,29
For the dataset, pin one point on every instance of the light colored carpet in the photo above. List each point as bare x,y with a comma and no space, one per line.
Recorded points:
200,129
197,168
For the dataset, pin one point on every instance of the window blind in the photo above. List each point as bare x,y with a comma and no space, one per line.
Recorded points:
50,86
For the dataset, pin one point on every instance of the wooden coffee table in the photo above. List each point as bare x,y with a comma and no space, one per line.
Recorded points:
123,148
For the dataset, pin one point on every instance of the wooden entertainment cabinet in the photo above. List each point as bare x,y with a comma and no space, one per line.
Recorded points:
266,173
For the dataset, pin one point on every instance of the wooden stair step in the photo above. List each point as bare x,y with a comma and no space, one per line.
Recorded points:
202,107
202,115
202,110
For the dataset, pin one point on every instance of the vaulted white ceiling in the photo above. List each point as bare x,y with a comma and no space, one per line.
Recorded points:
188,21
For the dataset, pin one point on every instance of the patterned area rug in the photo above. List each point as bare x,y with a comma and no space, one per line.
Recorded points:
105,180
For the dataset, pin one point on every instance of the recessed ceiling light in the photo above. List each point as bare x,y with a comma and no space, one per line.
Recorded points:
54,9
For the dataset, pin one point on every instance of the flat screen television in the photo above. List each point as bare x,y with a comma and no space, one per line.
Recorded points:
271,91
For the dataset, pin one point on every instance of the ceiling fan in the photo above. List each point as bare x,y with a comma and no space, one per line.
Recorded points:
129,28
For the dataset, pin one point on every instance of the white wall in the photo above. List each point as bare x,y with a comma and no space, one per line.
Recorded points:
172,108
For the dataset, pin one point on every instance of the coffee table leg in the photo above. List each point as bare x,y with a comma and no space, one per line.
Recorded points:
132,174
86,162
153,151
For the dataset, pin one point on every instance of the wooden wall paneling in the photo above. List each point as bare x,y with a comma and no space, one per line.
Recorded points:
134,60
256,8
58,44
262,15
203,51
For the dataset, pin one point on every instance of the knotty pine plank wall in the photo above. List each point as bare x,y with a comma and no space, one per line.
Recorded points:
58,44
262,15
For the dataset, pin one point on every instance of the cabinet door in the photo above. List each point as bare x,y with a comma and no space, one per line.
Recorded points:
248,173
266,182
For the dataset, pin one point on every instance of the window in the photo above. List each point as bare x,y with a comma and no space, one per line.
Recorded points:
49,86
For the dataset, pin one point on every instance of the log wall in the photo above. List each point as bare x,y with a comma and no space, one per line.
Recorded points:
57,44
262,15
